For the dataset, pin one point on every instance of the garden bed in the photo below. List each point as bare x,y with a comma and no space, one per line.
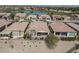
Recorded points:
69,39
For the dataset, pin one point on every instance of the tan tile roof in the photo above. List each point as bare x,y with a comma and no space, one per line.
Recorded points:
61,27
38,26
60,16
7,14
56,16
1,14
44,15
33,16
20,15
17,26
4,22
1,24
75,26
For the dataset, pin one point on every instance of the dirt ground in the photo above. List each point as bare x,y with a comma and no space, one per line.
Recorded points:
33,46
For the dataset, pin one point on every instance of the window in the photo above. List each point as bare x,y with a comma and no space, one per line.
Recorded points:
48,18
64,33
71,34
0,35
4,35
40,33
0,16
43,18
57,33
58,18
78,33
15,33
41,38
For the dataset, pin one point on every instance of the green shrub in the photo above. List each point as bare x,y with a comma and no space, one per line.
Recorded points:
78,38
26,36
51,40
68,39
12,46
5,42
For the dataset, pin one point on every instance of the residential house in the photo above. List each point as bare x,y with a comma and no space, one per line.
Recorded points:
1,15
7,16
5,35
75,16
20,17
38,30
62,30
32,18
57,17
63,18
16,30
75,26
45,18
4,24
67,17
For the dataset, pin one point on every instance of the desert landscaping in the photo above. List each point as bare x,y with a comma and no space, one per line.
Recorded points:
33,46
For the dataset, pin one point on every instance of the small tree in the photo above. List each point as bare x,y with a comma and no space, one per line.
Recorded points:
12,15
12,46
51,40
5,42
26,36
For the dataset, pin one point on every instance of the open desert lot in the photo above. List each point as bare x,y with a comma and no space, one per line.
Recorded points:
33,46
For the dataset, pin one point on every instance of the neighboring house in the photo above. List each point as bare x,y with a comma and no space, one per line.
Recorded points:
57,17
7,16
45,17
16,30
20,17
67,18
5,35
38,30
75,16
63,18
1,15
62,30
75,26
28,8
4,24
32,18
